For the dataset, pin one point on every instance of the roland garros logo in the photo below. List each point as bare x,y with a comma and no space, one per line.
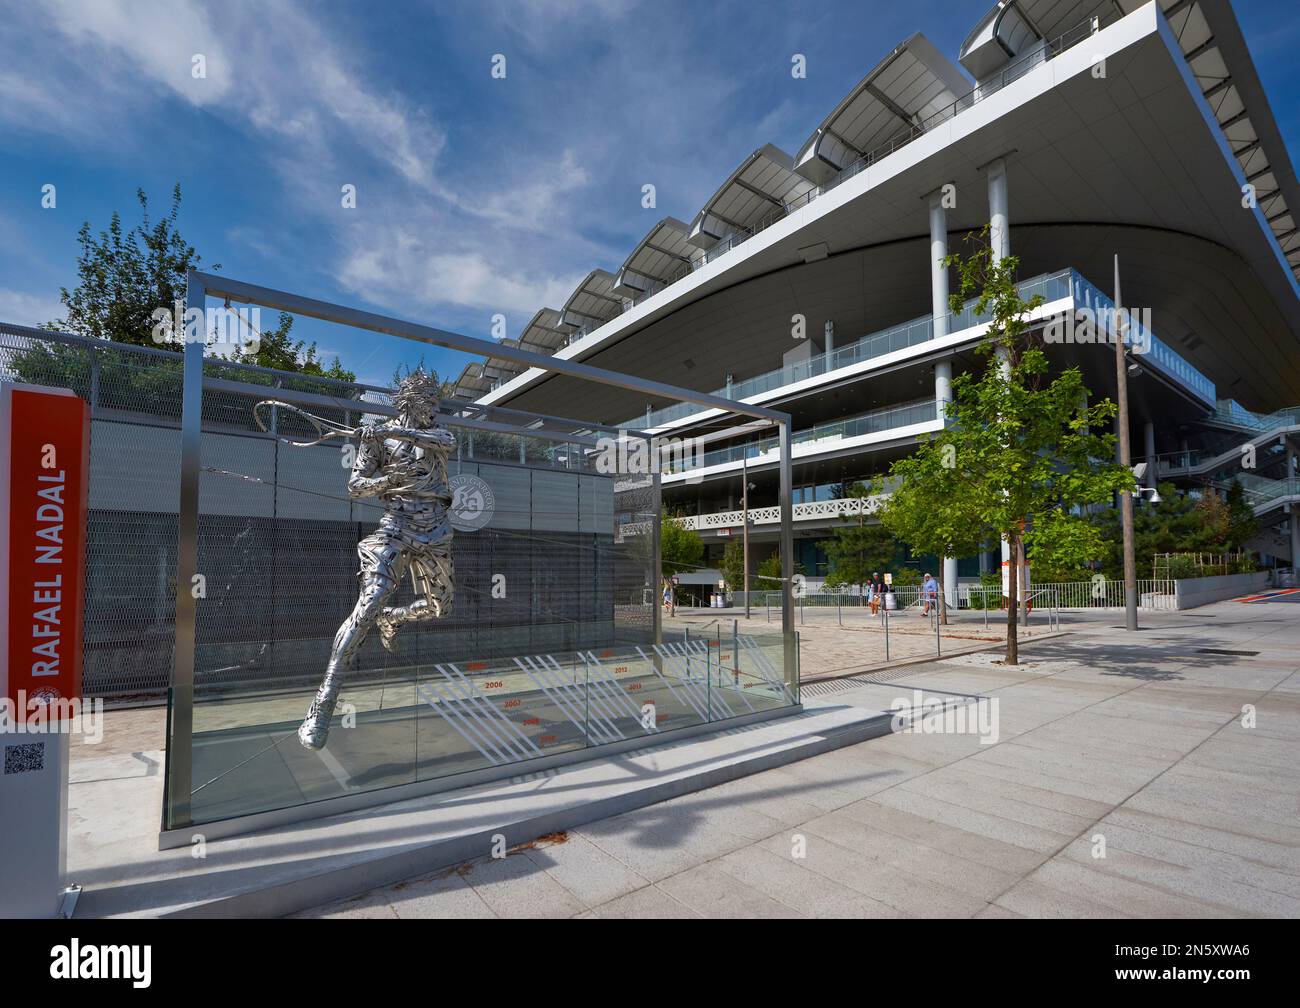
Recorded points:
472,503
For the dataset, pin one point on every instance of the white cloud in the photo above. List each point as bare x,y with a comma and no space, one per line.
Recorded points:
121,56
535,199
456,220
22,308
160,37
405,271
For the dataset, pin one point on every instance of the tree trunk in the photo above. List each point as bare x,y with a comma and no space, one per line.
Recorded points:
1013,595
943,601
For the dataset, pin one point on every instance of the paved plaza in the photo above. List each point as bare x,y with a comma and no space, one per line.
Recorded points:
1124,782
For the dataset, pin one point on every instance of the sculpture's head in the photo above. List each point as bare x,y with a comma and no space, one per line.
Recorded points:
417,398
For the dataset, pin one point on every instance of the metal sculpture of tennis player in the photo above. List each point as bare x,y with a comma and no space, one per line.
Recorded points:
403,463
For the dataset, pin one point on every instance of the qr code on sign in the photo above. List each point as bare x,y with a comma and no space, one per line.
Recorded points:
24,758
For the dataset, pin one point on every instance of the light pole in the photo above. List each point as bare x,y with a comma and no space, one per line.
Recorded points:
744,531
1125,498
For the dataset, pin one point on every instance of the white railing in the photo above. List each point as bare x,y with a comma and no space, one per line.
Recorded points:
1153,593
1099,594
840,507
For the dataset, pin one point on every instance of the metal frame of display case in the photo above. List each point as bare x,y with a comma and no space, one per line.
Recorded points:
201,286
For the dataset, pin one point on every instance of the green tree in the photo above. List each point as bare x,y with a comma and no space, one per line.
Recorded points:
733,565
857,551
1018,450
1061,547
124,276
680,548
769,573
1242,523
1179,523
906,577
276,349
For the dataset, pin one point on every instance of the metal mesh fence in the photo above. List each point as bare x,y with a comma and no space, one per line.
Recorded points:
562,565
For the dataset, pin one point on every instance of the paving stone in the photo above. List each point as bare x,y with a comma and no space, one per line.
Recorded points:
939,867
648,903
590,874
515,886
941,836
445,894
711,892
886,883
1126,895
982,823
786,879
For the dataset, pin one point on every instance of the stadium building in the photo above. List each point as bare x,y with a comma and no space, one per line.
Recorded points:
1078,130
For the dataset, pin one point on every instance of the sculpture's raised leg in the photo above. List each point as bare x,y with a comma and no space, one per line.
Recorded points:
436,594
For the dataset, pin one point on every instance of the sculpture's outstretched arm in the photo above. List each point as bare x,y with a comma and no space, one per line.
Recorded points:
436,437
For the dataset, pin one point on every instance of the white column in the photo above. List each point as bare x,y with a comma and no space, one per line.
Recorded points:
938,271
943,368
943,395
999,217
943,381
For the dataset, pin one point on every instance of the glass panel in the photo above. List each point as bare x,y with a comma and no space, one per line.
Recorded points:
479,714
1087,295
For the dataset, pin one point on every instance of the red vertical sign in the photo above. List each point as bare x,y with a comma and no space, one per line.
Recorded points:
46,456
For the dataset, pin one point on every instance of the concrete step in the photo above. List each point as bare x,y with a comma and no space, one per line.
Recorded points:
289,868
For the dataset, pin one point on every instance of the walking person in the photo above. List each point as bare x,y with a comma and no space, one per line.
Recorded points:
929,594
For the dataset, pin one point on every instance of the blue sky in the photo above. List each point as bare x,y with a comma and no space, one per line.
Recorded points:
474,195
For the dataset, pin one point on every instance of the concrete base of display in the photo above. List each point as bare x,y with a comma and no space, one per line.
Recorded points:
33,843
292,867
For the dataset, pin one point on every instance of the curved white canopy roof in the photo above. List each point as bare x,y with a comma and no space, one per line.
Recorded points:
478,379
471,384
1012,27
661,257
752,196
544,334
593,303
912,83
1001,35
